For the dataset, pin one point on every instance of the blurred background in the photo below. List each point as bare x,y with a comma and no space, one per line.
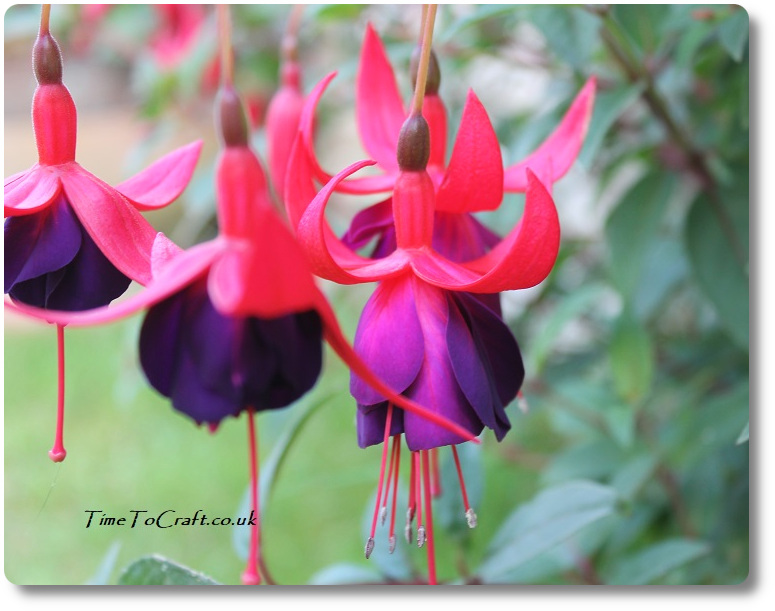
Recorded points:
631,464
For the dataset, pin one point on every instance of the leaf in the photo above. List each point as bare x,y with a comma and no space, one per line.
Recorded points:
733,33
571,307
159,571
633,226
714,263
642,23
632,475
102,576
656,561
632,359
270,468
481,13
609,106
590,460
344,574
743,436
552,516
570,32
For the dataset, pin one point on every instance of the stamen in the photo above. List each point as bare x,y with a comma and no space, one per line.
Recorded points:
436,481
471,519
392,535
383,511
522,403
388,422
412,506
251,577
418,499
58,452
429,520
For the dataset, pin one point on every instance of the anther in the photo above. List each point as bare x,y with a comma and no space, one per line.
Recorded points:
382,515
522,403
408,527
392,544
471,518
369,547
421,537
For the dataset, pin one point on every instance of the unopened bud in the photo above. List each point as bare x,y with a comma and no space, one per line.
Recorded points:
230,119
414,144
434,72
47,60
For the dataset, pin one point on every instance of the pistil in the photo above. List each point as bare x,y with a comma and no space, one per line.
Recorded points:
58,452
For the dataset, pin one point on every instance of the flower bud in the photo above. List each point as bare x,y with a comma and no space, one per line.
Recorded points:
47,60
230,120
434,72
414,144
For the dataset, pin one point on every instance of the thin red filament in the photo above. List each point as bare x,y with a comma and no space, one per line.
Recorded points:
58,452
436,481
385,440
397,463
429,520
250,576
418,492
460,477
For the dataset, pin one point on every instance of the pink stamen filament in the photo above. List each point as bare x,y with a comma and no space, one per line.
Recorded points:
436,481
412,504
385,439
397,450
251,576
418,498
58,452
460,477
383,511
429,520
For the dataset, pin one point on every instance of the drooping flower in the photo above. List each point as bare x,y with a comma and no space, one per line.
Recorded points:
73,242
423,329
235,324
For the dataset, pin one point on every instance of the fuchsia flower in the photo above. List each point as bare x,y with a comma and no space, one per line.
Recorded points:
432,327
73,242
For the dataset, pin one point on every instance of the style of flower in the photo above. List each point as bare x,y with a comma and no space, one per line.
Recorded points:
73,242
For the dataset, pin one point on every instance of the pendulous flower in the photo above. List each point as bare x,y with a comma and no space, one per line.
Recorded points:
73,242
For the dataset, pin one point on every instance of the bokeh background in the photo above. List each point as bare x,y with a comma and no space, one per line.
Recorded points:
632,463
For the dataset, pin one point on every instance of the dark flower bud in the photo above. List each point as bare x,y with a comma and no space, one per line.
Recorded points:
47,60
414,144
434,72
230,120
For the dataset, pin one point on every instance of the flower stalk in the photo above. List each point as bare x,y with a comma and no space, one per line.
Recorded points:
429,18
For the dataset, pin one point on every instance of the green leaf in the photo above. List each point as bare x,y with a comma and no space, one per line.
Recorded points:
633,226
642,23
344,574
632,475
743,435
570,32
553,516
714,259
589,460
632,359
336,12
271,467
609,106
571,306
159,571
733,33
656,561
102,576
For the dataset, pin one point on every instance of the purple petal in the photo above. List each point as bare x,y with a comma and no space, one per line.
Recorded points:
40,243
371,424
436,387
389,339
373,222
460,237
160,341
